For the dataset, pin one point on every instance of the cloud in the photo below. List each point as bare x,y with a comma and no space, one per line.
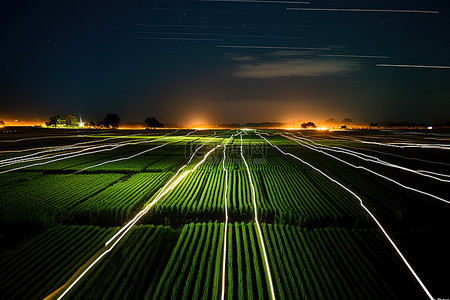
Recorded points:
290,53
237,57
295,67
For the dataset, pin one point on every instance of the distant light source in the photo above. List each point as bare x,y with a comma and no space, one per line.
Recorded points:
430,127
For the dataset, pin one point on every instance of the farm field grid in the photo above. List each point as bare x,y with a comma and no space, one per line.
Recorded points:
224,214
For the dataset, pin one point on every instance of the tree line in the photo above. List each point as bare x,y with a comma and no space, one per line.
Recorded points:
111,121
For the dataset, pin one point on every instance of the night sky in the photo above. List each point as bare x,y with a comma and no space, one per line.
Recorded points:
191,62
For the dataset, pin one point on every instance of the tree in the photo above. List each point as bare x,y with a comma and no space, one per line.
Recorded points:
153,123
308,125
65,120
373,124
347,121
90,124
111,121
2,124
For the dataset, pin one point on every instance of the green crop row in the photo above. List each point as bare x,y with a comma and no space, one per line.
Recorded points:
44,263
335,264
132,269
119,202
48,197
194,268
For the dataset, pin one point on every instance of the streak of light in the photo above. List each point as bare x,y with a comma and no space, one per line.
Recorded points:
368,211
413,66
179,9
195,26
168,186
192,132
259,1
370,171
36,138
175,39
366,10
264,36
266,260
355,56
404,157
376,160
224,259
406,145
175,33
270,47
124,230
58,159
122,158
81,153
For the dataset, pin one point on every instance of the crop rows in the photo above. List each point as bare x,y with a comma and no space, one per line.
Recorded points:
119,202
43,199
198,195
194,268
335,263
133,269
245,269
44,263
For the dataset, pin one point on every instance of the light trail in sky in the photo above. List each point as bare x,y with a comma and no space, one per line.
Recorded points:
270,47
175,33
266,260
175,39
376,160
264,36
413,66
195,26
259,1
367,210
355,56
368,170
114,240
366,10
225,246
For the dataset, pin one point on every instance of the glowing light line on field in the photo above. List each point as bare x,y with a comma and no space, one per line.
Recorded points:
368,211
226,221
266,260
401,156
370,171
169,185
122,158
122,232
376,160
406,145
81,153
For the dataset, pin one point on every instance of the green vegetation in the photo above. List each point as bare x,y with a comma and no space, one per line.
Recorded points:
48,198
119,202
41,265
65,120
320,243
